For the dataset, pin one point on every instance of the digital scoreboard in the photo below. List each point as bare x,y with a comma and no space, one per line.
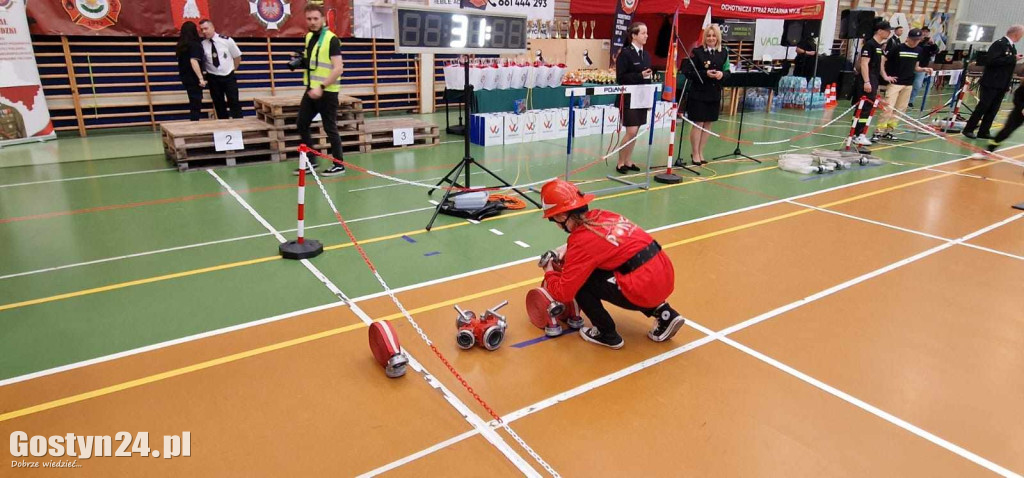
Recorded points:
434,30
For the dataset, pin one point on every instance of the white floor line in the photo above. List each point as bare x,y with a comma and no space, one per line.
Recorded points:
79,178
470,416
420,454
85,363
497,232
903,229
930,150
391,185
878,412
711,336
522,244
782,129
203,244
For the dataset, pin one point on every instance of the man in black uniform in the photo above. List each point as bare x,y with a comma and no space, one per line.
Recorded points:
1000,61
894,40
928,51
222,60
869,74
806,51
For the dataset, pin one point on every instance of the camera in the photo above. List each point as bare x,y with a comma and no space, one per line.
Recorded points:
296,62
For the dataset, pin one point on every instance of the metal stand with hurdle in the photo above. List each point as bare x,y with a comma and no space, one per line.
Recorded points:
572,93
301,248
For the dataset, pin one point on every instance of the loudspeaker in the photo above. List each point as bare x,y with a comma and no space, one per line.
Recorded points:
664,37
793,31
856,23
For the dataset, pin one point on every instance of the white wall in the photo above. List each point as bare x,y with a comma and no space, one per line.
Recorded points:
1001,13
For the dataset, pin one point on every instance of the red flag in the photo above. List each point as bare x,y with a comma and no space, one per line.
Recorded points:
189,11
669,91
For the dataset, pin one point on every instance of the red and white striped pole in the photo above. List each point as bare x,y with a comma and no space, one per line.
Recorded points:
959,101
856,119
668,177
302,248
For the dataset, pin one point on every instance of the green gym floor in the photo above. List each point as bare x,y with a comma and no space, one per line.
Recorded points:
111,257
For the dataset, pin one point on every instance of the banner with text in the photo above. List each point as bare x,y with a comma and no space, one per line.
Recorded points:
533,9
23,112
768,41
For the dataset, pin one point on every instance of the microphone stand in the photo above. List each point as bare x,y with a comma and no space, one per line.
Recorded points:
743,109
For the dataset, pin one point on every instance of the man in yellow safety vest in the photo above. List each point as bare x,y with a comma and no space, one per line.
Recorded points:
322,72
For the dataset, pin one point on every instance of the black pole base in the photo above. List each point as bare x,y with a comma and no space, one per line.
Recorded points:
294,250
668,178
456,129
1019,206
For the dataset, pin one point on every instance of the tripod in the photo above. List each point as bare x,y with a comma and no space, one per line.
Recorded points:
743,108
452,177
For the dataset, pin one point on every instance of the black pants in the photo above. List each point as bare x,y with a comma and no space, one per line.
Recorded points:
1016,117
195,99
221,87
988,106
865,111
596,289
327,106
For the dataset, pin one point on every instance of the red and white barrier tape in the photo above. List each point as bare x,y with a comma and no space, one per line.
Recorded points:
766,143
387,289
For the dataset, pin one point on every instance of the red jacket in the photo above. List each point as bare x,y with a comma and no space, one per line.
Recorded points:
618,241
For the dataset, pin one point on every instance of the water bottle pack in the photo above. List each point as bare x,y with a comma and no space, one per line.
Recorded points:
796,92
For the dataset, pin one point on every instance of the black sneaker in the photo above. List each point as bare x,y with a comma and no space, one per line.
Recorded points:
969,134
910,105
309,166
594,336
666,323
334,170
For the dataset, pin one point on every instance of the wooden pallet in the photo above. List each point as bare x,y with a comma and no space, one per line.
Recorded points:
379,133
288,106
353,122
289,141
190,145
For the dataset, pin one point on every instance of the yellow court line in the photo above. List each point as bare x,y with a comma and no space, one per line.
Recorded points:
175,373
231,265
270,348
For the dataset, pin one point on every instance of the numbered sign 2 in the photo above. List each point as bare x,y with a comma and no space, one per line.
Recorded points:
228,140
403,136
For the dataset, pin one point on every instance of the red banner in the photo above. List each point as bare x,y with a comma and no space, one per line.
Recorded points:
163,18
776,9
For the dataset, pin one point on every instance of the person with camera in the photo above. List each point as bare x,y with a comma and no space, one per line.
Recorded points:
322,66
1000,61
607,258
222,60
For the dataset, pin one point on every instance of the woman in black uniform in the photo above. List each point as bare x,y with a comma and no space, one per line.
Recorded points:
632,67
189,53
709,68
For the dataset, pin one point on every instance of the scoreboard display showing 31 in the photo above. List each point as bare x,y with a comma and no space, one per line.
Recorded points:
435,30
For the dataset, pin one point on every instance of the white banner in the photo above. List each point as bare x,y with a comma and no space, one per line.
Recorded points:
23,112
768,41
534,9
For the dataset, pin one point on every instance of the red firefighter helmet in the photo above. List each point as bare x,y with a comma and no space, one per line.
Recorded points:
558,196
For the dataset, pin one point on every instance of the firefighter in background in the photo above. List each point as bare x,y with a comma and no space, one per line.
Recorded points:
12,125
607,258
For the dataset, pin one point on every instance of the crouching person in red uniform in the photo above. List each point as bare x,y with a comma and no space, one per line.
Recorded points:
607,258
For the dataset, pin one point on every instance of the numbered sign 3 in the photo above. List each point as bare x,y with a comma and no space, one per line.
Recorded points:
228,140
403,136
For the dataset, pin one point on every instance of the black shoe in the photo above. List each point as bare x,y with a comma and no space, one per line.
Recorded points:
633,167
334,170
622,169
309,166
992,146
969,134
985,135
594,336
666,323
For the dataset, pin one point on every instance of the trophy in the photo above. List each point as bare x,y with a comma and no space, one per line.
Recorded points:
576,28
565,24
558,30
593,23
529,29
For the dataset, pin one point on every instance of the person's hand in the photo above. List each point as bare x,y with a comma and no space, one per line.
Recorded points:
1020,56
560,251
316,93
890,79
867,87
647,73
202,83
929,71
